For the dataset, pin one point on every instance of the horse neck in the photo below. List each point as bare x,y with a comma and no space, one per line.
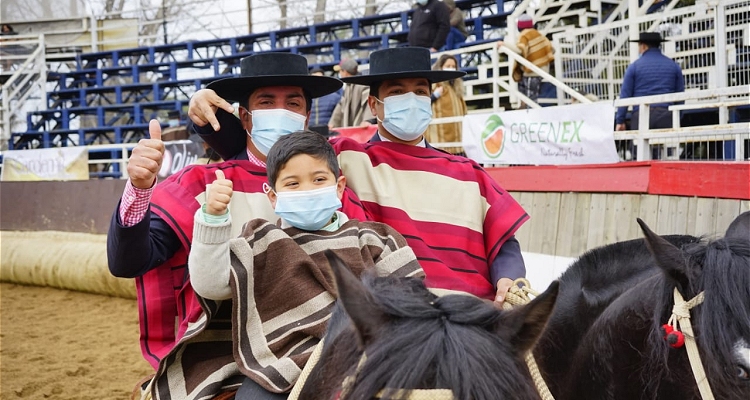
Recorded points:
339,359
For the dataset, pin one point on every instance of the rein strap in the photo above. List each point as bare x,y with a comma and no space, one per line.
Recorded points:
681,319
516,296
406,394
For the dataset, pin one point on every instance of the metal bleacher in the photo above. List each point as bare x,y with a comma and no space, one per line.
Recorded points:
108,97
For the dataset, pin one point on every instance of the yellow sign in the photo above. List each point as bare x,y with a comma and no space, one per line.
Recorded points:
58,164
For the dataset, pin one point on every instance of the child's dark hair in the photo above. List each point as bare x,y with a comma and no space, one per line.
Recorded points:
301,142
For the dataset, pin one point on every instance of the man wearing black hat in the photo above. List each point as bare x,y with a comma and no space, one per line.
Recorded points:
400,82
652,74
457,219
185,338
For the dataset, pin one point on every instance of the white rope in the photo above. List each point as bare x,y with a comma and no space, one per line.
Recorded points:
516,296
311,363
680,319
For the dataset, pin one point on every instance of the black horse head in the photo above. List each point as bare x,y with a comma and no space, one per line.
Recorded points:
413,339
720,269
605,338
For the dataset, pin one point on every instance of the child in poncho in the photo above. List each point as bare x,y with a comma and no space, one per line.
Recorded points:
276,272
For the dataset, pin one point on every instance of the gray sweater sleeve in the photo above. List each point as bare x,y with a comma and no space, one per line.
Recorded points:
209,261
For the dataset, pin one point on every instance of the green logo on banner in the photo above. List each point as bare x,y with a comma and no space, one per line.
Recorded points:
493,136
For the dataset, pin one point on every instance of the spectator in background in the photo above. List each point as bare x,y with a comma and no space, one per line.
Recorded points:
210,156
458,32
7,30
322,107
352,109
430,24
535,48
174,130
447,101
653,73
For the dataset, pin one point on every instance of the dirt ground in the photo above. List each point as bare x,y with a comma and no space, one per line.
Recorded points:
59,344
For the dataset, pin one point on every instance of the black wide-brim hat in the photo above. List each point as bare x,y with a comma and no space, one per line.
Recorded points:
649,37
273,69
402,62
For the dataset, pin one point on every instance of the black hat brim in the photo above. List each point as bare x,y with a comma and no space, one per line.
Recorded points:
431,75
238,89
649,41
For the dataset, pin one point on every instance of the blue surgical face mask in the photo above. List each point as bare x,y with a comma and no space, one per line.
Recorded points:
422,2
270,125
309,210
407,115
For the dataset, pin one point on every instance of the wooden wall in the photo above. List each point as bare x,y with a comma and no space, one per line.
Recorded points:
568,224
572,209
79,206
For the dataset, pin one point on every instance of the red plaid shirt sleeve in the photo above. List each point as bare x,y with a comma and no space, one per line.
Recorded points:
134,204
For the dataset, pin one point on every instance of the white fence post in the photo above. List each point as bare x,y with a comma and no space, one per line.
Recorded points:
720,18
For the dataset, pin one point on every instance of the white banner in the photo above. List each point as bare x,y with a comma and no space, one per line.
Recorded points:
572,134
178,154
56,164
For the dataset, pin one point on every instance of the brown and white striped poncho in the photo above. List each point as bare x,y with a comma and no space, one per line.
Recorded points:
282,295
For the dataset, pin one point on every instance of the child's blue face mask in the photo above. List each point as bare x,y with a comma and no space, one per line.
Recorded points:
309,210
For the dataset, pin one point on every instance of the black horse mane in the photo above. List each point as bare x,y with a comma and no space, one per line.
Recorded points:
431,342
600,269
720,268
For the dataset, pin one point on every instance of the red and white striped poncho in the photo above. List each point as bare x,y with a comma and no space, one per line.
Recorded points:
451,212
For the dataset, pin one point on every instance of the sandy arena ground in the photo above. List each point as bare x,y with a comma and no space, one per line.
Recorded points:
59,344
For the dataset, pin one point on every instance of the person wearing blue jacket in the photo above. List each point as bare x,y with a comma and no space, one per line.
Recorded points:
322,107
653,73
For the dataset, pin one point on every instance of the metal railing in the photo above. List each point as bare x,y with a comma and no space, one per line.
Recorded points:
23,58
728,139
710,41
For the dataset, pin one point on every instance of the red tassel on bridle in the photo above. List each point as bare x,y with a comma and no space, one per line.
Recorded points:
674,337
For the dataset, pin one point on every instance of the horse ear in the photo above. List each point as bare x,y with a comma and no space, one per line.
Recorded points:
522,326
356,300
740,227
668,257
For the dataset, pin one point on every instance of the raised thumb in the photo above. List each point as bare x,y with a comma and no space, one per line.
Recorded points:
219,174
154,129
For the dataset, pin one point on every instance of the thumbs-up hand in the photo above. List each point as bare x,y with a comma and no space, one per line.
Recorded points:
219,195
146,157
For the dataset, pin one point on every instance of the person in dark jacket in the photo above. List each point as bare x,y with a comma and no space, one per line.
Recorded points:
653,73
430,24
322,107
